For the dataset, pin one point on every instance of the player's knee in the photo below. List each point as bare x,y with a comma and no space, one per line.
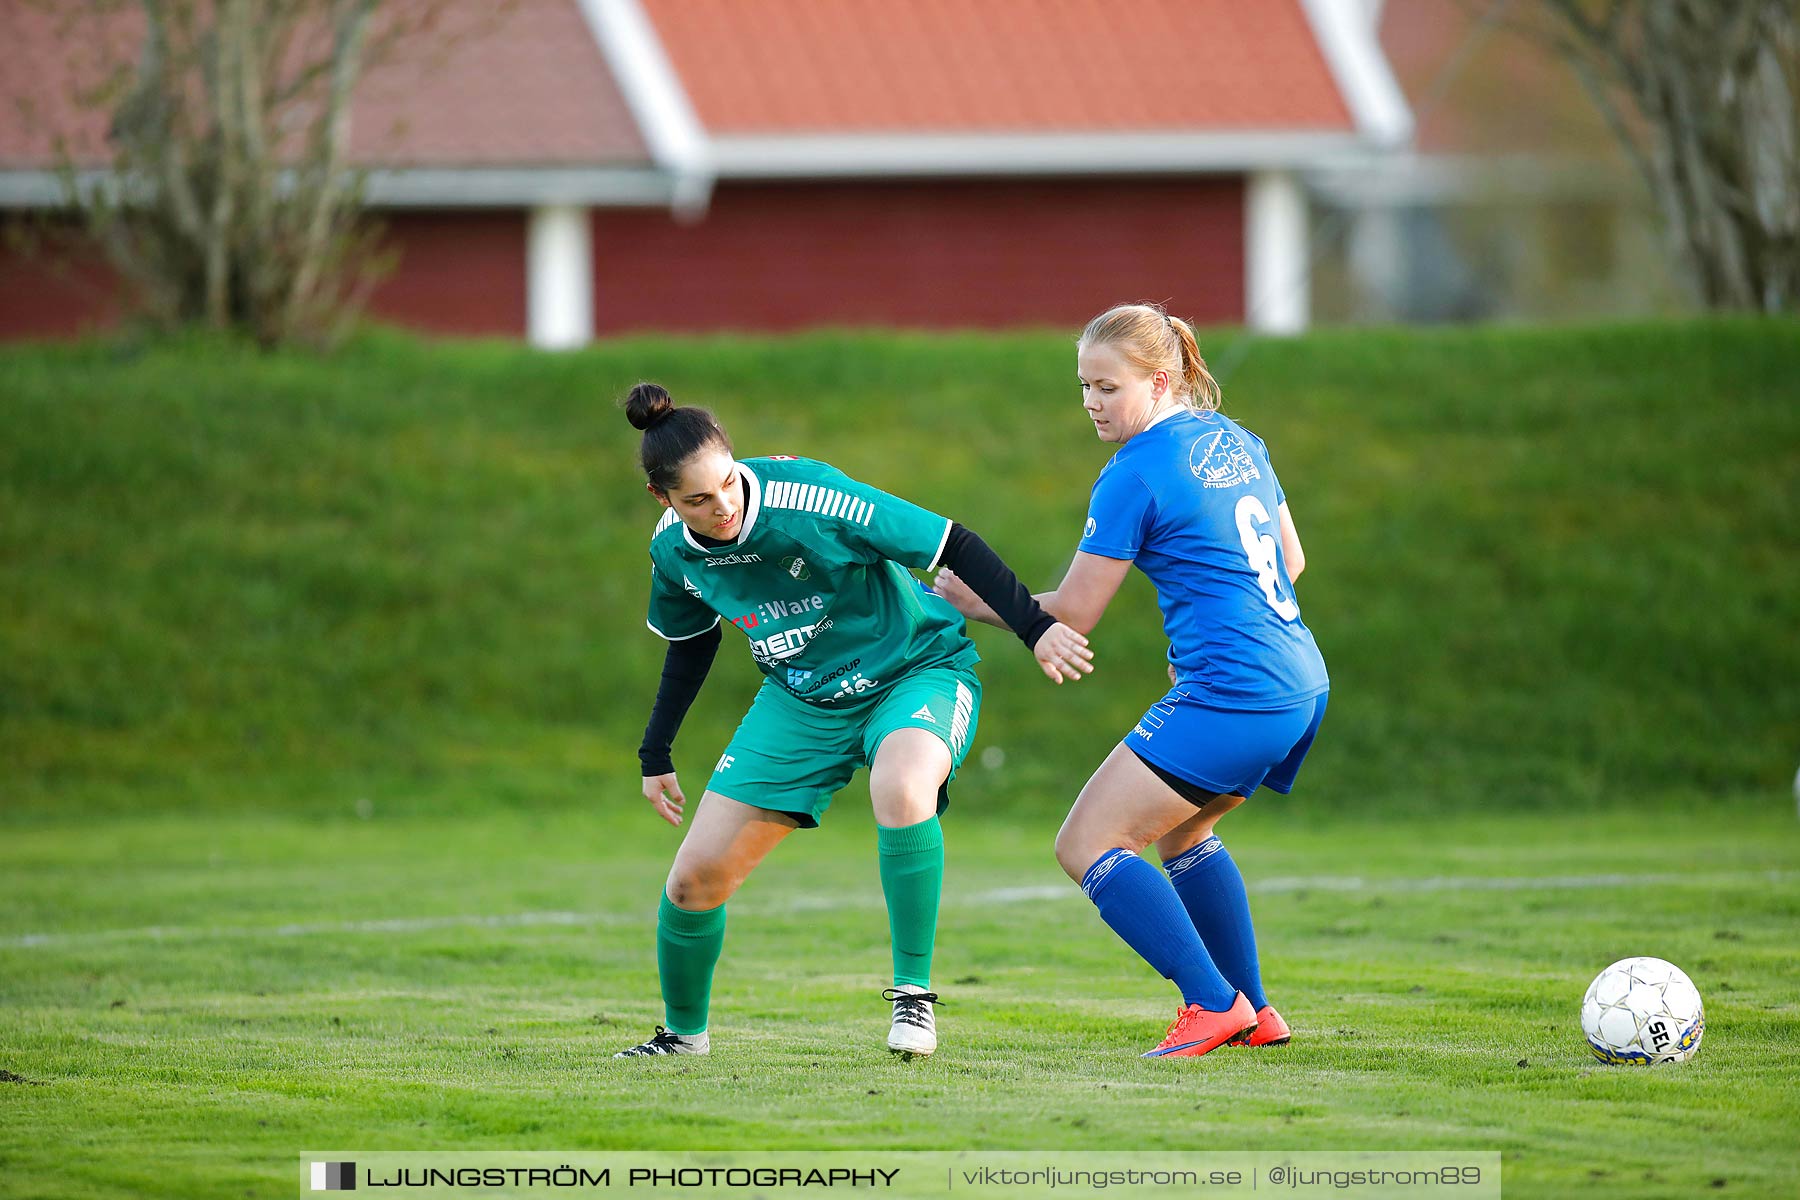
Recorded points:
1072,852
904,802
1082,843
697,887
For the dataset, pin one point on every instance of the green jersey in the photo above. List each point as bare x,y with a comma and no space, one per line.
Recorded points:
817,580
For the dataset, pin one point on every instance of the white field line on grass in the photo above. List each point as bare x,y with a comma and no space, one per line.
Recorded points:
984,899
1281,884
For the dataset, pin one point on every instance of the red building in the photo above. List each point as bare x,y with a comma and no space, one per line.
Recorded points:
579,167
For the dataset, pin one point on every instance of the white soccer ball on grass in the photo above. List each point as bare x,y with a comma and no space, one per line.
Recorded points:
1642,1011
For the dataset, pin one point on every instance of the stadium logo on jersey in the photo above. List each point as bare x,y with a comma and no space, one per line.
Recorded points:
1219,460
797,677
732,560
796,567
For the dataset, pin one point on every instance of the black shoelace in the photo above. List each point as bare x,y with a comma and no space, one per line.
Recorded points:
911,1008
663,1042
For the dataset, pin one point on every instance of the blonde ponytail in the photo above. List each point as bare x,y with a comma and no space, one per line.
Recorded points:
1203,393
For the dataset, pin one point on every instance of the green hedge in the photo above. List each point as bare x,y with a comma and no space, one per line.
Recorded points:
1546,567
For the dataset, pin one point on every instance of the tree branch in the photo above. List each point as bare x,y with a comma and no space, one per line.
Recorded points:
326,163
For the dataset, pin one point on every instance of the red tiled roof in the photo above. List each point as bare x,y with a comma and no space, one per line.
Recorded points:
526,84
522,84
998,66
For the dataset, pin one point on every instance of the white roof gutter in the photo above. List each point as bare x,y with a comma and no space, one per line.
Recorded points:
1347,34
849,156
654,93
409,187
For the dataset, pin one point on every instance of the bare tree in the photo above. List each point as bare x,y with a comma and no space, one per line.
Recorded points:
229,199
1702,96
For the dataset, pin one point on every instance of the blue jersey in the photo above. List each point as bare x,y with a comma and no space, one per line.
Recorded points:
1193,500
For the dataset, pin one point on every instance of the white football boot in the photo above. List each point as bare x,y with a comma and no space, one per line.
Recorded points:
914,1031
664,1042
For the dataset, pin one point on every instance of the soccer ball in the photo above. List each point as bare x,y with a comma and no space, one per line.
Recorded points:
1644,1011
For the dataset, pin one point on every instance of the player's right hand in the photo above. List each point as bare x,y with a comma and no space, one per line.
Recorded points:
1063,653
664,794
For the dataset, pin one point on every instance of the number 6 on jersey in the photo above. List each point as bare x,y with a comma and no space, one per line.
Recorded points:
1259,548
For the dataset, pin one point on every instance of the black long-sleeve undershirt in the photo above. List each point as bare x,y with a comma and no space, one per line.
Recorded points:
687,662
976,564
685,667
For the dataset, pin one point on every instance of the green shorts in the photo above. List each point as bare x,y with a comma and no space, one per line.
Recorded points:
792,757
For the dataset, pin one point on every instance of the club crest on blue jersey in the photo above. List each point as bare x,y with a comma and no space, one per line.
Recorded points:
1220,460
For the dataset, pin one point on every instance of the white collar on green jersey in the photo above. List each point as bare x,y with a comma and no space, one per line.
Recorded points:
752,508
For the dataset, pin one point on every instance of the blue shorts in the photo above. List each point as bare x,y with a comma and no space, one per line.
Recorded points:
1226,750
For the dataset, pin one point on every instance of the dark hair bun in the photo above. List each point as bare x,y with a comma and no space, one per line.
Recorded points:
647,404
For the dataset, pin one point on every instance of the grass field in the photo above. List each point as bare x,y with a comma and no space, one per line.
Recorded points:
207,996
321,680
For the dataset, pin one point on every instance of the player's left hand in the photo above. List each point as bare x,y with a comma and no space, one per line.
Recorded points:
1063,653
962,597
664,794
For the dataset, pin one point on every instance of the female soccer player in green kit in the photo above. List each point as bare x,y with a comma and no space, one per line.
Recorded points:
862,666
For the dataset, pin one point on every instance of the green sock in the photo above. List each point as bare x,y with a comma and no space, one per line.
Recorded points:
687,950
912,877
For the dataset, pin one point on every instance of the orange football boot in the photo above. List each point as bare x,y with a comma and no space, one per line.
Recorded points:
1271,1030
1196,1030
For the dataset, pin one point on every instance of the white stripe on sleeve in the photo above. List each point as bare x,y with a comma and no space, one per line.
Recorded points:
686,637
942,542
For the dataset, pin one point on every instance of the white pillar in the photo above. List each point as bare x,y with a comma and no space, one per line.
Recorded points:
1277,274
559,277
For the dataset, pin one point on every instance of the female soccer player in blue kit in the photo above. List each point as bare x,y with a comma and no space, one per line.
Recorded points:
1189,497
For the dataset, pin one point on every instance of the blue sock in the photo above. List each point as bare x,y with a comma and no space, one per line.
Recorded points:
1212,889
1142,907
